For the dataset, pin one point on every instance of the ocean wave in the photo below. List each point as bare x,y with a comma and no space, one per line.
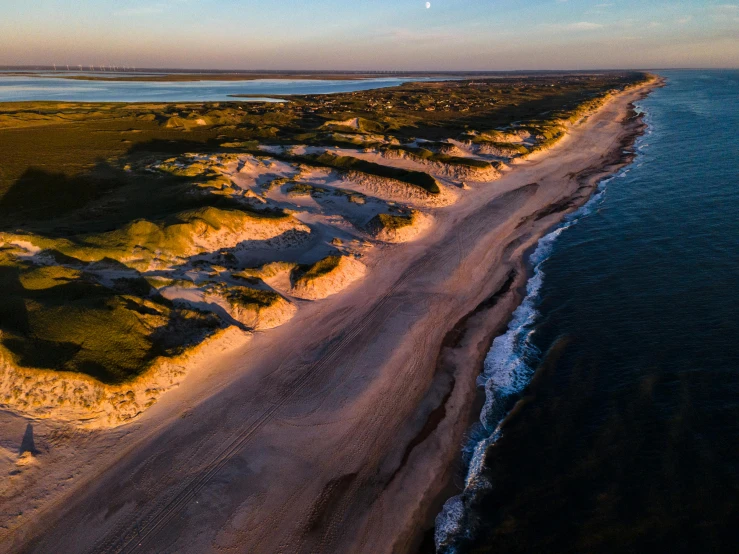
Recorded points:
508,369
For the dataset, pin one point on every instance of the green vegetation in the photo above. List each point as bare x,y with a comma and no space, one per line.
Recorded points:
307,273
356,125
303,189
274,183
141,241
159,281
52,318
389,222
194,169
264,272
246,297
356,198
350,163
215,183
509,148
428,155
546,135
46,277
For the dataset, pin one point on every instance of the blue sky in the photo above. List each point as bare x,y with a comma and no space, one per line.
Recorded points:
372,34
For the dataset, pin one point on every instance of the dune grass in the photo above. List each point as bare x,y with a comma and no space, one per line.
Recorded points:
141,241
309,272
304,189
50,319
428,155
363,125
389,222
350,163
245,297
53,317
509,147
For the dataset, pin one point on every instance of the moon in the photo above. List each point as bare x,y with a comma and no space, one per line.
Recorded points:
428,5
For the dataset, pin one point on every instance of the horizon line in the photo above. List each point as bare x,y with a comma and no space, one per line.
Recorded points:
132,69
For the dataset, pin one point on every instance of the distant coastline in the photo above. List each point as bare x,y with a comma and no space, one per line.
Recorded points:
106,73
168,88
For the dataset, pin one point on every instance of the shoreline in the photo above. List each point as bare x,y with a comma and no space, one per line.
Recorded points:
395,451
635,128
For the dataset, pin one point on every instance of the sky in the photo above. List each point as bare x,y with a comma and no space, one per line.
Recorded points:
372,34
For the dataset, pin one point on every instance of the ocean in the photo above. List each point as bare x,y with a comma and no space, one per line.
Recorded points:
47,87
612,414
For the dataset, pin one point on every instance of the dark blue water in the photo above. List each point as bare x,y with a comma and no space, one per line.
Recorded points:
28,88
624,358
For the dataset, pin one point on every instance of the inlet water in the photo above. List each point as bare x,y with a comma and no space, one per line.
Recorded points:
32,88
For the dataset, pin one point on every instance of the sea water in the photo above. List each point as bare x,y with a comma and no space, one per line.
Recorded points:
623,360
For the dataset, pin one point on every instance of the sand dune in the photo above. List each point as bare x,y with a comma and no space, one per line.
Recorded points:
327,277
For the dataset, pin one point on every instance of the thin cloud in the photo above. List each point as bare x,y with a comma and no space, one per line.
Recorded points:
576,26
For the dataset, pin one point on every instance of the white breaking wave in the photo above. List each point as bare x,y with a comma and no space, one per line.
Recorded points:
509,367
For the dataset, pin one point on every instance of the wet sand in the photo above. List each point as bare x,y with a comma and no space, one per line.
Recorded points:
339,431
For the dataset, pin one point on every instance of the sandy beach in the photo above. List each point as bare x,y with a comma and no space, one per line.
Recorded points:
339,430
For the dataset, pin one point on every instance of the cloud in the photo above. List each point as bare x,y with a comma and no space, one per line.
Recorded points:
576,26
584,26
684,20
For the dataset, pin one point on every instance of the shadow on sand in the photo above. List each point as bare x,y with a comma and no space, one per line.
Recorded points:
27,444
